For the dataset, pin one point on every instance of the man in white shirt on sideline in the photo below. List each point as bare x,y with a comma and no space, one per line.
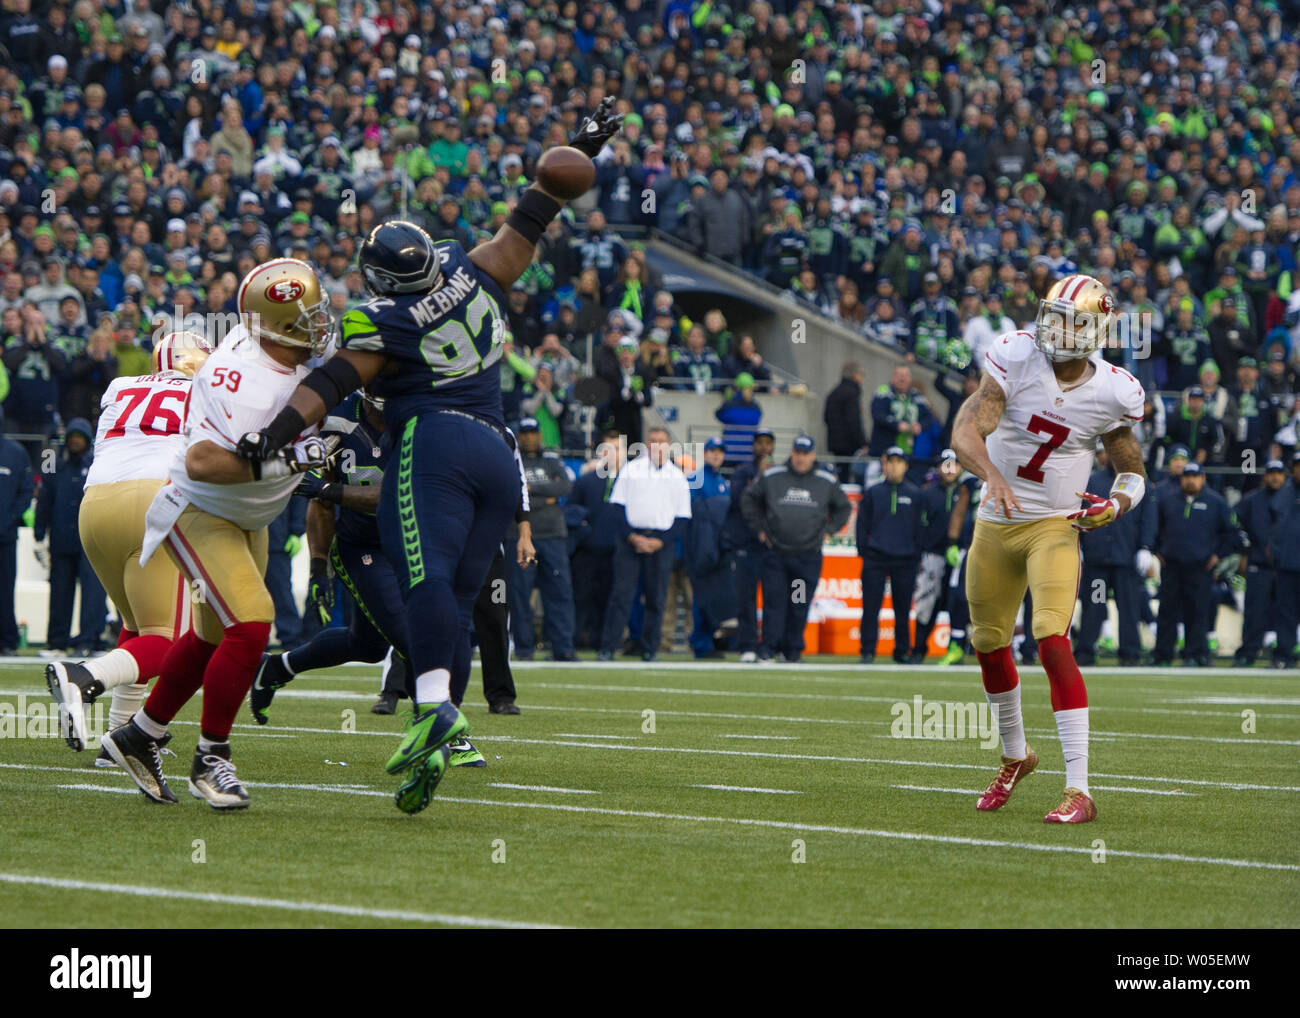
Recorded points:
656,501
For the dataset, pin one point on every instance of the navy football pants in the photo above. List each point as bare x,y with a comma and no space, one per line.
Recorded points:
448,496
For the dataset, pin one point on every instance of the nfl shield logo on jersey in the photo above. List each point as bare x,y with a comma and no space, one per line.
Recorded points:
366,560
1060,400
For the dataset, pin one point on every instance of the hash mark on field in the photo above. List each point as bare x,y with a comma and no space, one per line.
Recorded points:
102,788
580,735
771,738
248,901
745,788
1100,788
543,788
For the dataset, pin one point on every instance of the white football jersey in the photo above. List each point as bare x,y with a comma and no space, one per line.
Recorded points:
237,390
1046,441
141,428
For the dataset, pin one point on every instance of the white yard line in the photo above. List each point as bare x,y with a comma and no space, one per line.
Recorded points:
543,788
1100,788
772,738
746,788
823,829
248,901
581,735
1234,785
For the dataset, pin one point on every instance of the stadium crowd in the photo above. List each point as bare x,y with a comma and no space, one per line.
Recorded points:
920,171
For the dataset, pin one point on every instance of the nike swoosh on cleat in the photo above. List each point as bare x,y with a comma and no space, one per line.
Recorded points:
1067,817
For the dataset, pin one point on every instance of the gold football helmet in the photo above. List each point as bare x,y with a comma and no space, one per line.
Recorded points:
1075,318
282,300
181,351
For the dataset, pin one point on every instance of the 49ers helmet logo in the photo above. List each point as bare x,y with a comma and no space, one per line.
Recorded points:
1107,304
285,291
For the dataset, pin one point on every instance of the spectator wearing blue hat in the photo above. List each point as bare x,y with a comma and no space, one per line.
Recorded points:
58,503
707,556
1193,532
889,537
1259,514
792,508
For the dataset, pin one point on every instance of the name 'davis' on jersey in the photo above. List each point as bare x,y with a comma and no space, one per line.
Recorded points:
459,285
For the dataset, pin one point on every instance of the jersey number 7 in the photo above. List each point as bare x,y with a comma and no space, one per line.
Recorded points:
1056,436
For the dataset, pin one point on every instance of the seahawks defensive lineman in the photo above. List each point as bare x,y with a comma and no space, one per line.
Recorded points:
428,342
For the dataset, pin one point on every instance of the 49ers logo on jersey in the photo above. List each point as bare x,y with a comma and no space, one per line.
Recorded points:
285,291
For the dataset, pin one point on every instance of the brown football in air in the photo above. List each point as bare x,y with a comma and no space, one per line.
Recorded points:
565,172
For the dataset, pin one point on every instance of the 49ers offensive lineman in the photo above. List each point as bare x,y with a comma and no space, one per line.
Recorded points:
137,438
212,517
1029,432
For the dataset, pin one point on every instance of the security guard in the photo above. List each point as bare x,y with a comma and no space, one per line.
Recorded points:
58,503
792,508
1284,550
593,523
707,559
548,482
1259,514
947,522
889,534
15,500
1113,562
1193,533
747,553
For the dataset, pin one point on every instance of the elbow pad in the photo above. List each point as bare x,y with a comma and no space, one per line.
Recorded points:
1132,485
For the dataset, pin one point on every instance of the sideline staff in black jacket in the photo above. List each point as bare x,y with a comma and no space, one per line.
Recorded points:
792,508
889,541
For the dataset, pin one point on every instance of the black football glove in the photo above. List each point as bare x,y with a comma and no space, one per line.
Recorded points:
256,446
320,590
597,129
313,485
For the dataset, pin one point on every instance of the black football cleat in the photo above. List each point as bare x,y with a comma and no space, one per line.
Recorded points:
503,707
386,704
271,675
74,689
212,777
132,749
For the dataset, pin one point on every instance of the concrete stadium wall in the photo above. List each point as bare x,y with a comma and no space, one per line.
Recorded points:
772,319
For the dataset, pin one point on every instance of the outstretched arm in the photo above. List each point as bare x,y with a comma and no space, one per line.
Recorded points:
976,420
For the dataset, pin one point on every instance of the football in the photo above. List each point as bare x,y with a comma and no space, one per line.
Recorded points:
565,172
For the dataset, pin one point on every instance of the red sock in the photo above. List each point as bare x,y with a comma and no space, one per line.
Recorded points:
229,676
180,677
124,634
149,653
998,670
1068,690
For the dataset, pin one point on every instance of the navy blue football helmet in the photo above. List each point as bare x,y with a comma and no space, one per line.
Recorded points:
399,257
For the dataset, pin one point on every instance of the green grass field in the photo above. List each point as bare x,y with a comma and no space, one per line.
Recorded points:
584,817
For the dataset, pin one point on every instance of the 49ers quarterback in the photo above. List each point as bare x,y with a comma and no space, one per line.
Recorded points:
137,437
1029,432
211,517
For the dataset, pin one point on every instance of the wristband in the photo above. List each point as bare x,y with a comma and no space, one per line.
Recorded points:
533,213
286,426
320,567
1132,485
331,492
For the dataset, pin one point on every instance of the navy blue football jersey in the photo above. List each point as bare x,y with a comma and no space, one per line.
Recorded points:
363,455
446,345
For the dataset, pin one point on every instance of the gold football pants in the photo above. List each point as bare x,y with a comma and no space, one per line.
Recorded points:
1004,559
